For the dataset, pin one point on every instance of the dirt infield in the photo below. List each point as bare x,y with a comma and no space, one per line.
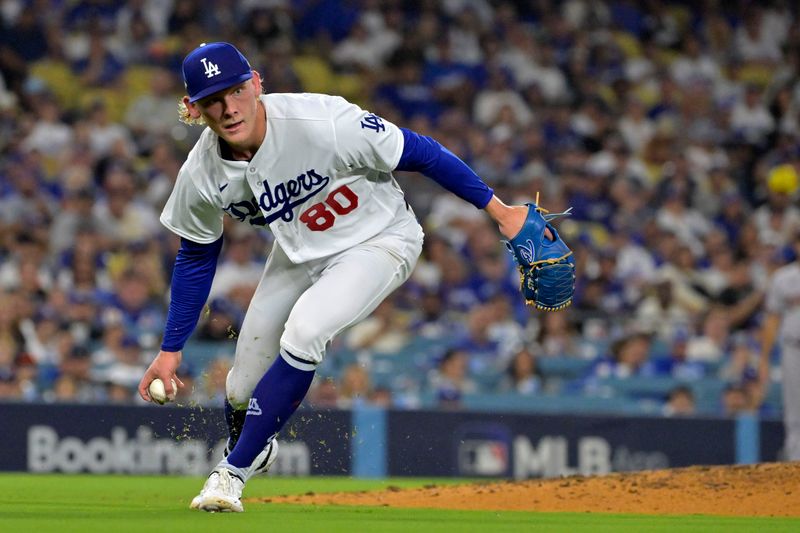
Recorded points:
769,489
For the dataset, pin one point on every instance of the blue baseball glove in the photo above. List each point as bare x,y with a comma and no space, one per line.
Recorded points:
547,268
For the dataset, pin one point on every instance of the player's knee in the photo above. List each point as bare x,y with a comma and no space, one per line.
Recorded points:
238,399
238,391
304,341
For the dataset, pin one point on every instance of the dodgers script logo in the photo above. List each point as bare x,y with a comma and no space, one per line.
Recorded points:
211,68
279,201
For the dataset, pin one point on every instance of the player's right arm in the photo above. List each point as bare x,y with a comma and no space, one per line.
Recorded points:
195,266
191,213
769,333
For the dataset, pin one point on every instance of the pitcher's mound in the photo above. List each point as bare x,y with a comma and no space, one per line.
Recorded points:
769,489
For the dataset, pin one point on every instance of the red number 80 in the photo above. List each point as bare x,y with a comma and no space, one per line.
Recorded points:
319,218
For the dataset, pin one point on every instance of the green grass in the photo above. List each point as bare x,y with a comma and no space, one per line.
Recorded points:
65,503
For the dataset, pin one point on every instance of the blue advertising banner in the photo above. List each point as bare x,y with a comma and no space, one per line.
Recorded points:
149,440
771,436
526,446
373,442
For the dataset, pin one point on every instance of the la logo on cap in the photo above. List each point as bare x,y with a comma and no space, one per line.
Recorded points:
211,69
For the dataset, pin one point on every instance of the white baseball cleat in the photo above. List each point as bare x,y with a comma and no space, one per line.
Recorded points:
221,493
260,465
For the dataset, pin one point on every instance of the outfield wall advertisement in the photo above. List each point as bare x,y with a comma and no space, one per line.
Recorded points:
148,440
520,446
375,443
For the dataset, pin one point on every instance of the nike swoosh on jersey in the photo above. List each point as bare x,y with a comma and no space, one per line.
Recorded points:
222,187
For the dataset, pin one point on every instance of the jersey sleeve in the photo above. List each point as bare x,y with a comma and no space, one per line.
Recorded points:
363,139
775,301
190,214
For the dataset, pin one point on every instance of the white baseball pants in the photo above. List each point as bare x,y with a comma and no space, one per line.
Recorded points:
790,370
299,308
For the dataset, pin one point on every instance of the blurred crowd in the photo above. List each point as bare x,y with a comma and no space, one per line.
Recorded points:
670,128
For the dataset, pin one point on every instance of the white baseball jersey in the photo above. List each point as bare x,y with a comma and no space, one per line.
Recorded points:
321,179
783,297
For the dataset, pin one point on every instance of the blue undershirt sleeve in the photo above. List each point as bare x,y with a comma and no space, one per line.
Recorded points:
425,155
194,270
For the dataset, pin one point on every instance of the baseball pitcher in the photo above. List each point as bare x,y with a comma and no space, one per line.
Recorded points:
317,171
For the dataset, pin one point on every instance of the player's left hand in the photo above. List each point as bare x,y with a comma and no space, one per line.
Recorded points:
546,265
164,367
512,220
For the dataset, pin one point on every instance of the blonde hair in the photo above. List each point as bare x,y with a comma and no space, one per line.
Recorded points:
186,118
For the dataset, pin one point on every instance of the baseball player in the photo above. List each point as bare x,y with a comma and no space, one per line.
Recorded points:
782,323
315,170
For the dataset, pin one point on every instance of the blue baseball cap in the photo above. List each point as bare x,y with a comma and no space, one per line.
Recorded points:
213,67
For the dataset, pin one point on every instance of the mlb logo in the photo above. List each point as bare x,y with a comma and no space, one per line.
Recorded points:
482,457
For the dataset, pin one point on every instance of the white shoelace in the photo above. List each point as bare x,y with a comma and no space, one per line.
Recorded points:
224,482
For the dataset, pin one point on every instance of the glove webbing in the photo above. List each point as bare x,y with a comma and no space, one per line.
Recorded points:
547,215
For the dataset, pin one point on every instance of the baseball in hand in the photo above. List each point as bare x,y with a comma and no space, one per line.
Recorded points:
158,394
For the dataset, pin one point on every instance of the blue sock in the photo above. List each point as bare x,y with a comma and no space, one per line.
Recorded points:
276,397
234,418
